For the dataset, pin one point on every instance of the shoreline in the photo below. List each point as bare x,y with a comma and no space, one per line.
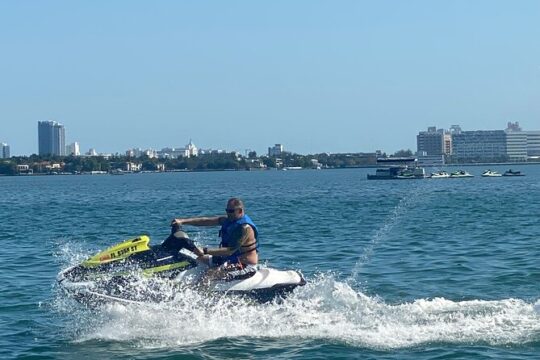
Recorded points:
510,164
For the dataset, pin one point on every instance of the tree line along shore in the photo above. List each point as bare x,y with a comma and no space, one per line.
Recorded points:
35,164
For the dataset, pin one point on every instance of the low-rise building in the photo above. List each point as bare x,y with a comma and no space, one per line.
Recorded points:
480,145
131,166
191,149
425,160
171,153
174,153
24,169
138,152
160,167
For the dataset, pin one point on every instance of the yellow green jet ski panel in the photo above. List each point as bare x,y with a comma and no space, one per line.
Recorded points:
119,251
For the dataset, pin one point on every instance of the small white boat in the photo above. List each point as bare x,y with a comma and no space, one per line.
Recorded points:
440,175
490,173
412,173
461,174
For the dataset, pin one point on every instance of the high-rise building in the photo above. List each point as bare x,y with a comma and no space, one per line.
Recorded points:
4,154
276,150
430,142
51,138
73,149
516,142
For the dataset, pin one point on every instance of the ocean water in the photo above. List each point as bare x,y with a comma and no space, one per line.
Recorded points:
412,269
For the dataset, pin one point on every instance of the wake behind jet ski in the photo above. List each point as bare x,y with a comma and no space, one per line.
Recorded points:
135,271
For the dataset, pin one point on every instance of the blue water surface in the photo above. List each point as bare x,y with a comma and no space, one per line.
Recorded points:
409,269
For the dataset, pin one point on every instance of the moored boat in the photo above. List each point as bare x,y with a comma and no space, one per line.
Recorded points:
440,175
412,173
461,174
513,173
398,172
491,173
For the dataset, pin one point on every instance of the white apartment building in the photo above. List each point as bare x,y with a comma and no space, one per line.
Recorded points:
516,145
191,149
174,153
73,149
533,143
150,153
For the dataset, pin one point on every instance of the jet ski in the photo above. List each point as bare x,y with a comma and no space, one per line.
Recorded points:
512,173
134,271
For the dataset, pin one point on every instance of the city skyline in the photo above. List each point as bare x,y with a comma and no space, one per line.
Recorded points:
317,76
74,147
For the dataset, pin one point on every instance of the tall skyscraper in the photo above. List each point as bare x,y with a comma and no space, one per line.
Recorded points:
4,153
51,138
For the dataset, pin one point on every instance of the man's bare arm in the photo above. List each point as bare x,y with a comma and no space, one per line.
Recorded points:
199,221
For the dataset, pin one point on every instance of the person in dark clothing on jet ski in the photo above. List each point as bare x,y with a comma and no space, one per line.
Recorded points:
179,240
237,256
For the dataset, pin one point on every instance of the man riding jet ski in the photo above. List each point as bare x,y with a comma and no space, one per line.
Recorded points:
134,271
238,251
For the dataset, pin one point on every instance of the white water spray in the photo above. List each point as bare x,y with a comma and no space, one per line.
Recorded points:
405,203
325,309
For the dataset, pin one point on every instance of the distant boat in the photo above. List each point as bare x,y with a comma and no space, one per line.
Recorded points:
513,173
461,174
385,173
490,173
440,175
397,172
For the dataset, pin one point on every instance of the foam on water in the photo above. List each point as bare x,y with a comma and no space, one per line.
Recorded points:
323,309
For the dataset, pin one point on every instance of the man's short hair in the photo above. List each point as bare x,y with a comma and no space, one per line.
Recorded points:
236,203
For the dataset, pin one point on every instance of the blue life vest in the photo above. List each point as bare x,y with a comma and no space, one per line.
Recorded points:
229,229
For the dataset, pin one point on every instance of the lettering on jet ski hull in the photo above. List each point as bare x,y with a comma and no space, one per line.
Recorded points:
121,252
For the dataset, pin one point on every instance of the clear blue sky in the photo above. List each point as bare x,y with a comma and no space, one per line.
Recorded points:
316,76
